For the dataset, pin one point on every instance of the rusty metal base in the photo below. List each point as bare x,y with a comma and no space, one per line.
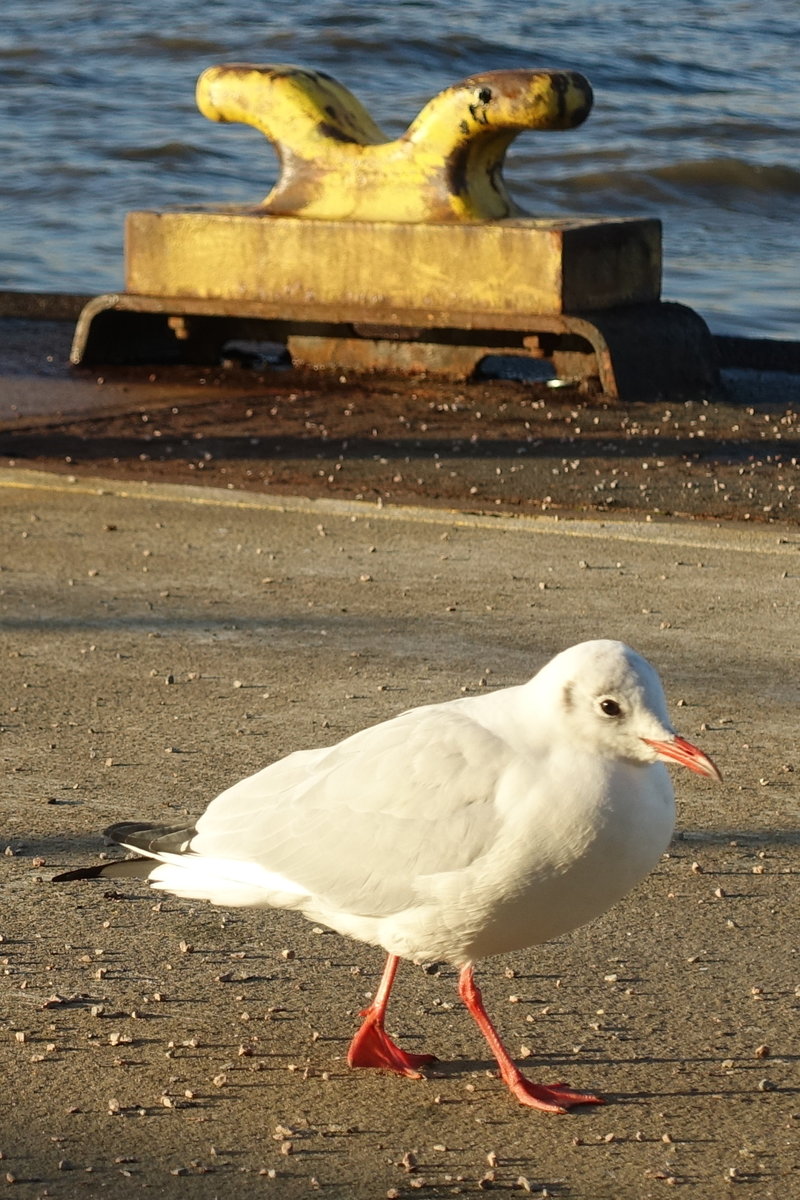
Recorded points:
633,352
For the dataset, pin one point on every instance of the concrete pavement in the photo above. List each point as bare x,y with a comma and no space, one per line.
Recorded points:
161,642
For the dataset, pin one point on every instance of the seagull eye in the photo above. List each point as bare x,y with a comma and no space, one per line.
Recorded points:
611,708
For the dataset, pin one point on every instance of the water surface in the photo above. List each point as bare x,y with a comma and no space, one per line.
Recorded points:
695,121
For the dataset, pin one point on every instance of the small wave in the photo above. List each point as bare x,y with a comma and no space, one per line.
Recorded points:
175,45
735,173
169,152
10,53
708,179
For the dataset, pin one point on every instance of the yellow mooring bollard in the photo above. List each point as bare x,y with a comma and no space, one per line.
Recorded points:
402,255
337,165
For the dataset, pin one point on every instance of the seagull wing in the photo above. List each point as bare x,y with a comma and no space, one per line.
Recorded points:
356,826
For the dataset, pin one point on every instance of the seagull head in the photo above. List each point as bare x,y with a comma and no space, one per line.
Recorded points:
613,700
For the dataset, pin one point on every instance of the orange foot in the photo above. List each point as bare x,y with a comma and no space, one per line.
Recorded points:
552,1097
372,1047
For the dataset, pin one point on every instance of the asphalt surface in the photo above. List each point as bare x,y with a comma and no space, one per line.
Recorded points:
493,445
162,640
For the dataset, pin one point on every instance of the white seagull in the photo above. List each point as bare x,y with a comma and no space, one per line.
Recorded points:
451,832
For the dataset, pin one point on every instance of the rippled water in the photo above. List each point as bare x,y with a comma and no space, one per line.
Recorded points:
696,120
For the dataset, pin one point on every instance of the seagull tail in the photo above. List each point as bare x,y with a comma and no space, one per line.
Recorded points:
166,860
151,840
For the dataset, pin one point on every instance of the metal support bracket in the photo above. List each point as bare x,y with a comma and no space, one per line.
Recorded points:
626,353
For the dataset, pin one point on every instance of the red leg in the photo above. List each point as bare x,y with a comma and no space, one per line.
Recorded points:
372,1046
554,1097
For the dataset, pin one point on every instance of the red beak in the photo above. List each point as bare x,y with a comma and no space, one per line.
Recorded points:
678,750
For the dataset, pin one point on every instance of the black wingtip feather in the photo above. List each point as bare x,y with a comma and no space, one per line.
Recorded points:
154,840
126,868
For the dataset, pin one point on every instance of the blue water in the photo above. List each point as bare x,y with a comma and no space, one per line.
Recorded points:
696,121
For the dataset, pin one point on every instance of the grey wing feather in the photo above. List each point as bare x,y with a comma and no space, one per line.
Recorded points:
360,825
152,839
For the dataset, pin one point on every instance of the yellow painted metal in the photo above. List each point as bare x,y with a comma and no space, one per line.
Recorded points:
401,256
337,164
513,266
